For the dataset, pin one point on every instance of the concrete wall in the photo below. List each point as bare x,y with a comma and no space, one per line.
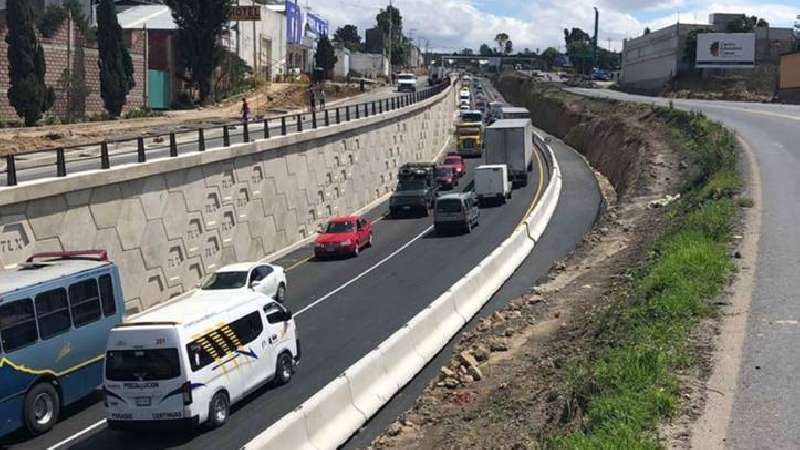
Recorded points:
651,60
342,68
369,65
168,223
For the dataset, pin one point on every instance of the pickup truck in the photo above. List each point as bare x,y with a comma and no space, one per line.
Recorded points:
406,82
416,191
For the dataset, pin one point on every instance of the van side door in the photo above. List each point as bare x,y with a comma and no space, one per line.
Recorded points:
251,348
280,331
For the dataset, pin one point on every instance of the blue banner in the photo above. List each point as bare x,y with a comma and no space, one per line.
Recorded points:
316,24
294,23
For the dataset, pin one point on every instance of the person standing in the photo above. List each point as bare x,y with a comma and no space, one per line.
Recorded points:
245,110
312,99
322,98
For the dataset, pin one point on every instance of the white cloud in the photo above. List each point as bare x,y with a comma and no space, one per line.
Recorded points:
451,25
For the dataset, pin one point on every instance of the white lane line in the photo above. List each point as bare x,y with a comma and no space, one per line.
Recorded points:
77,435
364,273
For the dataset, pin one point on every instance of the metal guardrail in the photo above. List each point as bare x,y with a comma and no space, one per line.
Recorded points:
324,117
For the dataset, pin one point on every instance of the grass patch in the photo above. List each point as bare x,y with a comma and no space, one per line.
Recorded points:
630,385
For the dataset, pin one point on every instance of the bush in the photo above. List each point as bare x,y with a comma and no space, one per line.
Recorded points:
143,112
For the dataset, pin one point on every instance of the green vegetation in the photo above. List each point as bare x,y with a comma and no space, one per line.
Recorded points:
631,384
116,66
325,57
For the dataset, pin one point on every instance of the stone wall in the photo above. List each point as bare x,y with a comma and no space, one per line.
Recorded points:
167,223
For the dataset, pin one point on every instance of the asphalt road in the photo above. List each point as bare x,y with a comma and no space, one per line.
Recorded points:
767,401
38,166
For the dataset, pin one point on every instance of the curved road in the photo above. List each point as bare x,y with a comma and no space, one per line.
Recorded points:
345,308
767,402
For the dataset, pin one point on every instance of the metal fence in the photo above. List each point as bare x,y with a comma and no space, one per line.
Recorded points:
169,145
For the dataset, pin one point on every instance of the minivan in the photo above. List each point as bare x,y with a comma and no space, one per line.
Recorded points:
456,211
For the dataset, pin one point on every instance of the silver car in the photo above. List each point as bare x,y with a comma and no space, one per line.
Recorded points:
456,211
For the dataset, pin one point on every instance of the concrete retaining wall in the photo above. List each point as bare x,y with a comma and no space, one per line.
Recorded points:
167,223
381,373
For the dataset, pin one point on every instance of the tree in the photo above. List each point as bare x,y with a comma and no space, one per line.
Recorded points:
116,66
326,55
390,23
467,52
690,48
550,54
509,48
485,50
348,37
27,93
579,49
745,24
200,24
501,39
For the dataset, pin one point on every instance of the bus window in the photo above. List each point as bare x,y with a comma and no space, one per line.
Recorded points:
84,302
17,325
52,313
107,295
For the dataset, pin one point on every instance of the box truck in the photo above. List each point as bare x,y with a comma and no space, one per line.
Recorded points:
492,183
510,142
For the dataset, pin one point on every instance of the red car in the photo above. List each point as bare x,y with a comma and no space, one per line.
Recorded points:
446,177
457,163
344,236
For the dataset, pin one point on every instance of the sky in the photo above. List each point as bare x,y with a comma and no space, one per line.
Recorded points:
451,25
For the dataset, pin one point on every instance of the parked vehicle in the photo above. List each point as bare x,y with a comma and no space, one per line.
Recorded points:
188,362
343,236
457,163
513,112
456,211
416,190
446,177
492,183
407,82
259,277
510,142
56,311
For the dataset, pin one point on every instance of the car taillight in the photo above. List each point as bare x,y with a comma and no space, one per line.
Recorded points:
186,390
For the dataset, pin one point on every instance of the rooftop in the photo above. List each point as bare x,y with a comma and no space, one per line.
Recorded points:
196,307
42,272
510,123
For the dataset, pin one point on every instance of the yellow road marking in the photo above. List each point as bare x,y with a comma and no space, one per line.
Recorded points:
299,263
538,190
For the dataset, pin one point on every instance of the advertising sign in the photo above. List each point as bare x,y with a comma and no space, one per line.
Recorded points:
246,13
294,23
726,50
316,24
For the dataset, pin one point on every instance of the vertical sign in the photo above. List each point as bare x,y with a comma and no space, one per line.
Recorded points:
294,23
316,24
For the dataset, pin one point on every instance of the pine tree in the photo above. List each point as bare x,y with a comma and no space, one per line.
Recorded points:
28,93
116,66
326,55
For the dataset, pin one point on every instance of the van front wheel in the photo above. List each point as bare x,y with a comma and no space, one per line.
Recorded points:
284,369
42,407
218,410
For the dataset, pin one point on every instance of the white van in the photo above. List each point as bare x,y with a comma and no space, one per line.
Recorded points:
492,183
187,362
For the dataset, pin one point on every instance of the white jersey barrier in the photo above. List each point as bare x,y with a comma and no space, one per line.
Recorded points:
331,416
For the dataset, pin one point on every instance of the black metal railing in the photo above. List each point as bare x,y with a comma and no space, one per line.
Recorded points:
140,148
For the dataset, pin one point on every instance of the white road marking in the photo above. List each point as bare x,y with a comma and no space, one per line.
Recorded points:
364,273
77,435
787,322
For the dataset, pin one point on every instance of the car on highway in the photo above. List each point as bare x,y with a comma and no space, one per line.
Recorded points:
188,362
267,279
56,310
456,211
457,163
406,82
343,236
446,177
416,190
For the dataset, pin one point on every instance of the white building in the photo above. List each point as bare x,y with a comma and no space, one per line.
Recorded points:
262,45
342,68
369,65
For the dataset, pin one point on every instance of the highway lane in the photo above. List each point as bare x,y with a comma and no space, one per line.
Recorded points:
38,166
767,401
405,270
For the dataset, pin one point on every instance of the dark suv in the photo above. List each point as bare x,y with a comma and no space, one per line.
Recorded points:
416,190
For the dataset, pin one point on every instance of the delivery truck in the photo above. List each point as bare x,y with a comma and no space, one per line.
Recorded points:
492,184
510,142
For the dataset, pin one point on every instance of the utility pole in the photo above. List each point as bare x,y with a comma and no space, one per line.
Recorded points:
391,20
596,22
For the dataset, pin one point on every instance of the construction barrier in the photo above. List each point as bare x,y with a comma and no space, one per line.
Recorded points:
330,416
370,383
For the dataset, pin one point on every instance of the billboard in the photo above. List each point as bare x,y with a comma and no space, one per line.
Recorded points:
246,13
316,24
294,23
726,50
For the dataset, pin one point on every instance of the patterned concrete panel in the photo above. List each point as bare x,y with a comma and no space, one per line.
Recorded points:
154,245
105,205
131,223
16,240
176,215
46,217
76,233
154,197
174,266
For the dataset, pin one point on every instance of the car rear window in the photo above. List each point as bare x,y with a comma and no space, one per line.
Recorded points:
449,205
143,365
452,161
225,280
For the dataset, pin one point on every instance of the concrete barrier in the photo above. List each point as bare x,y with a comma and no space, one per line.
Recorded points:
333,414
291,428
330,416
370,383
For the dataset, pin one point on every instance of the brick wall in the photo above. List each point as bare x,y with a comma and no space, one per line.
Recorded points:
60,53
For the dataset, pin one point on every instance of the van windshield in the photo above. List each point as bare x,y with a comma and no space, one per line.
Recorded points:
225,280
142,365
448,205
471,117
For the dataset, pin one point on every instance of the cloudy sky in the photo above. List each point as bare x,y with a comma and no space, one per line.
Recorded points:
451,25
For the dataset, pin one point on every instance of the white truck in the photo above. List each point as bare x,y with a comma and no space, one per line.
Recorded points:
514,112
406,82
510,142
492,183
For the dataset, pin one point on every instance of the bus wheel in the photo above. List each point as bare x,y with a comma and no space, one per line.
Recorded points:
218,410
41,408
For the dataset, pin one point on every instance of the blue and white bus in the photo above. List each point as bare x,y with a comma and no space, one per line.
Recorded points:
56,311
